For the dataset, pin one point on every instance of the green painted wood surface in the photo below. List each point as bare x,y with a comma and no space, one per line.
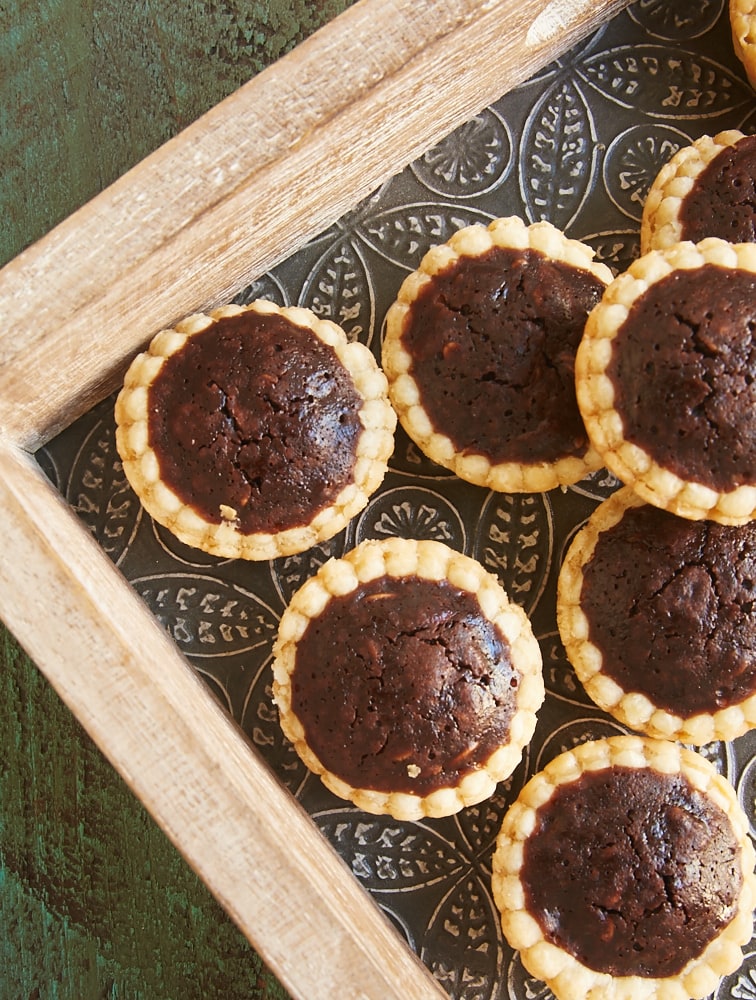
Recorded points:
94,901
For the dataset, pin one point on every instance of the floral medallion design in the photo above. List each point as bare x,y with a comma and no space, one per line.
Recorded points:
412,512
634,159
675,22
471,161
578,144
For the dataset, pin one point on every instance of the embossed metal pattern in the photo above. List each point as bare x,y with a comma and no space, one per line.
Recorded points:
579,145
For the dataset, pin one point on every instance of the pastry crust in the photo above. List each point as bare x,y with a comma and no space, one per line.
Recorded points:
660,223
633,709
397,557
568,978
630,462
743,25
141,465
473,241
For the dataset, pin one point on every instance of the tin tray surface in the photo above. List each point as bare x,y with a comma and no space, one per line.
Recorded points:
578,145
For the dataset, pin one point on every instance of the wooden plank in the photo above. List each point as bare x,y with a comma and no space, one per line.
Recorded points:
222,202
244,834
250,181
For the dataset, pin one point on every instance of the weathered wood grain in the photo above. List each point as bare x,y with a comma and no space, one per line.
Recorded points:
161,728
248,183
88,90
219,203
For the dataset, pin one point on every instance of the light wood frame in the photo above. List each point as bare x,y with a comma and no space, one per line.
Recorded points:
232,195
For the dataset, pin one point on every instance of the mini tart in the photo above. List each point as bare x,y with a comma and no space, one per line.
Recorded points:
706,189
479,353
743,25
665,377
406,679
655,613
255,431
599,859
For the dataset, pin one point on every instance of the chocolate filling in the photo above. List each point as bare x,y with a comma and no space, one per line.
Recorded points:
683,366
404,685
671,604
257,414
632,872
493,341
723,200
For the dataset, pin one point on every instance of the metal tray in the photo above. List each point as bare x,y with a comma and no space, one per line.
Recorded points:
578,144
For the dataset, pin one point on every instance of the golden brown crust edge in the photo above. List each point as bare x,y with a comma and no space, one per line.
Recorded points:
743,27
375,443
568,978
660,223
397,557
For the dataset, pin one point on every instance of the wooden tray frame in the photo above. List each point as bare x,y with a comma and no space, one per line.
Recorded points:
231,196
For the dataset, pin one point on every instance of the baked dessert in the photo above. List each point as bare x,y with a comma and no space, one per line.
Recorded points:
406,679
657,615
743,25
624,870
255,431
479,353
666,379
706,189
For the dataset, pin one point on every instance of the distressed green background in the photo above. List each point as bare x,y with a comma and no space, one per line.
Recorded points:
94,901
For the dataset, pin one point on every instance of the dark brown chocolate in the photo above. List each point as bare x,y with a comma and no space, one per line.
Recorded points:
493,341
683,369
404,673
258,414
631,872
722,201
671,605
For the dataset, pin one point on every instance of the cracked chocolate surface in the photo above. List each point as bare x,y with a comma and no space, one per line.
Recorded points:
683,368
493,341
631,871
723,200
671,605
257,414
404,685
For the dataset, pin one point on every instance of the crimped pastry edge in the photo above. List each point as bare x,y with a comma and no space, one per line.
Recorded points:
743,29
568,978
431,560
374,446
476,468
660,222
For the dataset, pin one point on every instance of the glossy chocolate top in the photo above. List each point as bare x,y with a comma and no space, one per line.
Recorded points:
671,604
722,201
257,414
493,341
632,872
404,685
683,369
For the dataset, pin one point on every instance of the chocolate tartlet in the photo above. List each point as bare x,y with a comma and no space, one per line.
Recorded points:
666,379
254,432
624,870
406,679
706,189
657,614
743,27
479,353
